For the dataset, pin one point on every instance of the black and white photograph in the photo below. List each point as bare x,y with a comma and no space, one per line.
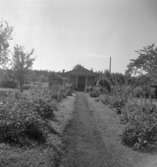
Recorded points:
78,83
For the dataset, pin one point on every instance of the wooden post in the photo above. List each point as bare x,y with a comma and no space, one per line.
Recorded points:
86,82
76,82
110,64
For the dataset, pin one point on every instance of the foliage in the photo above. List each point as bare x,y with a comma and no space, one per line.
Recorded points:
118,98
143,91
141,130
95,92
105,83
59,92
8,84
138,92
7,79
43,108
114,102
21,64
5,36
16,119
38,75
146,62
43,102
68,90
118,103
23,117
115,78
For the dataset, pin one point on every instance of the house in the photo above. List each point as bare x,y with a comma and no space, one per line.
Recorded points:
81,78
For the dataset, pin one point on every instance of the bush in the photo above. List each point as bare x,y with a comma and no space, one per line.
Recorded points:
95,92
17,120
43,108
8,84
114,102
21,134
106,85
68,90
118,103
89,89
57,92
106,99
26,86
23,117
144,91
141,130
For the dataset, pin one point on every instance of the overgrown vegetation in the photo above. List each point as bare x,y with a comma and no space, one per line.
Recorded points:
141,129
21,121
24,116
21,63
132,98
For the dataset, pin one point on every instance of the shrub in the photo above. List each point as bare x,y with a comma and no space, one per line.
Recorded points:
43,108
21,133
106,99
144,91
117,103
24,117
141,130
89,89
114,102
68,90
17,120
8,84
26,86
138,92
95,92
106,85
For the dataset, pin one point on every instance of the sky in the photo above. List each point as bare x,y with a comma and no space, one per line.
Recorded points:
69,32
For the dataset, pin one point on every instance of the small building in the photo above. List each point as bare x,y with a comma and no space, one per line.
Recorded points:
81,77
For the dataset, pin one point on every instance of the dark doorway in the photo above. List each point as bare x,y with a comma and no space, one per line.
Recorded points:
155,92
81,83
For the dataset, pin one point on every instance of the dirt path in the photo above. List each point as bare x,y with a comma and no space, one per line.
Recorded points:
86,147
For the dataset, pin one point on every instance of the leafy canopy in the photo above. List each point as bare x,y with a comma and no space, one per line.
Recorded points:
21,63
145,63
5,36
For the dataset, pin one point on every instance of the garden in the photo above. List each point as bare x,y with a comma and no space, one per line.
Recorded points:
33,119
137,114
133,97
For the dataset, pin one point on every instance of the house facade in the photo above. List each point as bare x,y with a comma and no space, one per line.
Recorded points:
81,78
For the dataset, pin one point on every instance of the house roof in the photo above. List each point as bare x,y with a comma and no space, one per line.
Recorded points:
80,70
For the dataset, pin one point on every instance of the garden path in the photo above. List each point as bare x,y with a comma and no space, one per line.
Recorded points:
85,144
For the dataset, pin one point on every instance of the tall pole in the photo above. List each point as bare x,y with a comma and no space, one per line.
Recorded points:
110,64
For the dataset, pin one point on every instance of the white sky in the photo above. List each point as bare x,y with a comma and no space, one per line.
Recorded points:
69,32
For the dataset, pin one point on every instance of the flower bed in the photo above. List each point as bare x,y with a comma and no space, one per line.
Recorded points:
141,129
23,117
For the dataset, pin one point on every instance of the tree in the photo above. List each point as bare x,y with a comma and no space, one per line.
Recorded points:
5,36
145,63
22,62
115,78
